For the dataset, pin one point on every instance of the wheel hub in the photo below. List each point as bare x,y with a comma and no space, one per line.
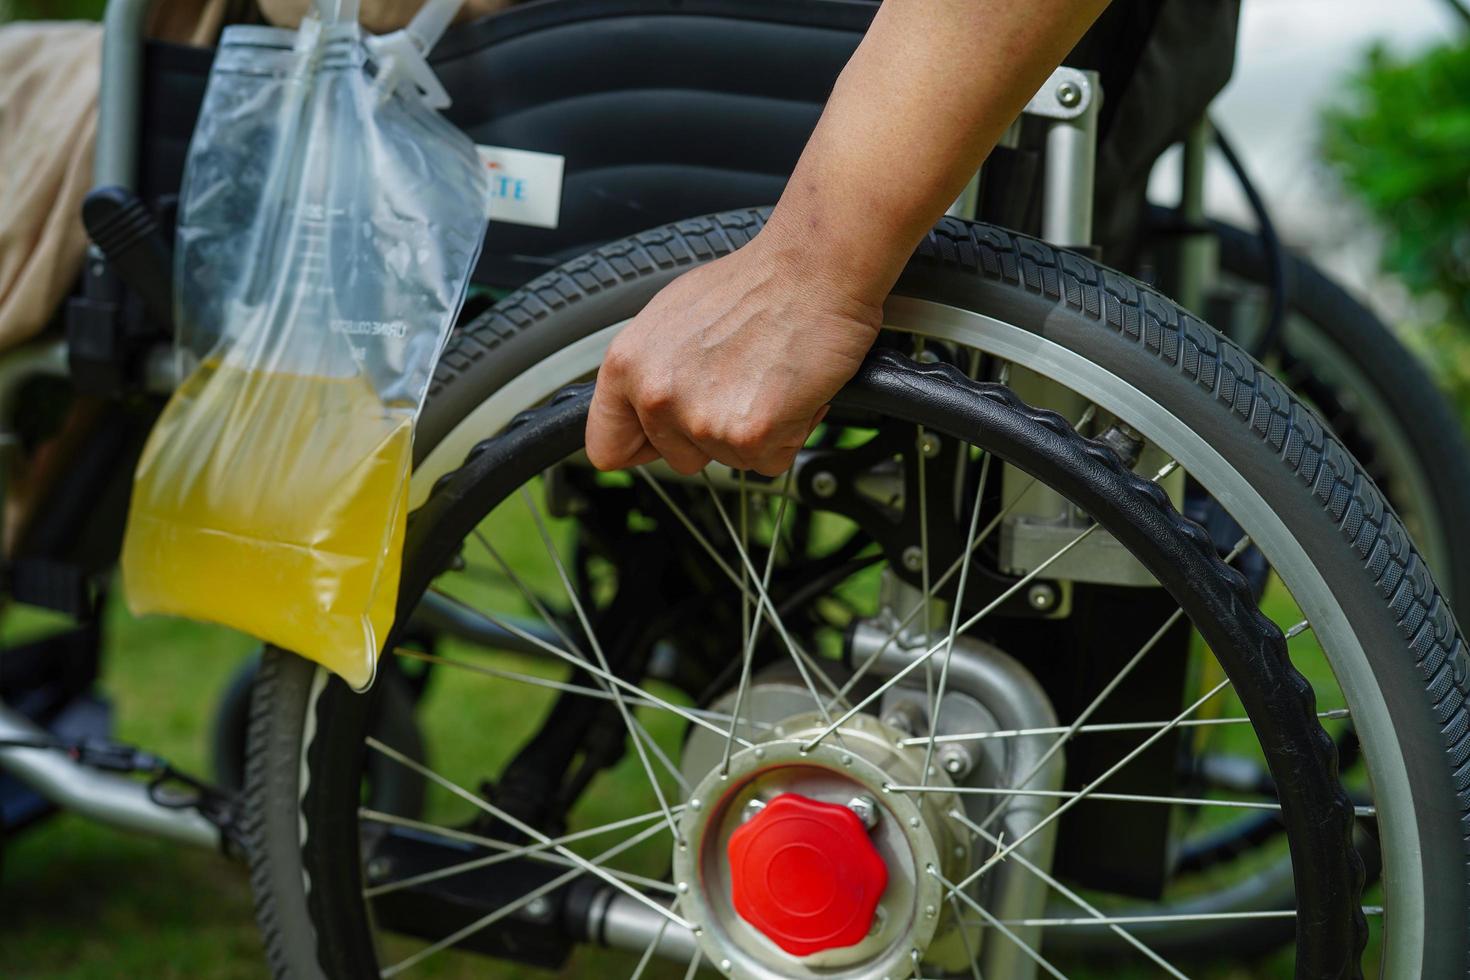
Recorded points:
797,862
804,873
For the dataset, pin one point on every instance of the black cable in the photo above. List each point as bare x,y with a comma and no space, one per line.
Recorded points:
1270,244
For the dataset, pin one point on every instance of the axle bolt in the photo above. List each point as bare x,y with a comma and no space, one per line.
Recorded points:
751,809
866,809
539,909
955,760
913,558
905,716
1041,597
1069,95
824,484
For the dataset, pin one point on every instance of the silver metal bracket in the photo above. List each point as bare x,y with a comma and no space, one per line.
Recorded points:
1068,103
1068,94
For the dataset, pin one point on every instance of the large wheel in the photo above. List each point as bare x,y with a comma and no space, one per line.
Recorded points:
1394,657
1342,360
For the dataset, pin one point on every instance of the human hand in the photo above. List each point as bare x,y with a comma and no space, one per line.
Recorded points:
735,361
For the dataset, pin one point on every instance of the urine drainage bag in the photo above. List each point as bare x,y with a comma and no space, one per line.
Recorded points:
328,224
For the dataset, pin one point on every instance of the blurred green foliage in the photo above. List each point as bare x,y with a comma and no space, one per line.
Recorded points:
51,9
1401,145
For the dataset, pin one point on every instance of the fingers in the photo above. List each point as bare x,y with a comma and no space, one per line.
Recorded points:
615,438
769,450
622,434
619,437
677,450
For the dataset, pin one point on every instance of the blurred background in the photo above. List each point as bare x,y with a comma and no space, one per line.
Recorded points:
1352,116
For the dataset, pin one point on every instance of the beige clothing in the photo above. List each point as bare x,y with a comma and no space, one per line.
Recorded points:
48,124
378,16
48,118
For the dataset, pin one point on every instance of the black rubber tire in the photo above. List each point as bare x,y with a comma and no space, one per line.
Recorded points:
1435,438
1309,480
229,728
280,907
394,724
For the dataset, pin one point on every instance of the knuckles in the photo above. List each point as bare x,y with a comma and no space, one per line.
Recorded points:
657,398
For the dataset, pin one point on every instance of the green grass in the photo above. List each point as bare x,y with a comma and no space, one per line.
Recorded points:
82,901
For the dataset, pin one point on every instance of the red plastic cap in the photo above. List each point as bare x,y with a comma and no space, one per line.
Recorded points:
806,875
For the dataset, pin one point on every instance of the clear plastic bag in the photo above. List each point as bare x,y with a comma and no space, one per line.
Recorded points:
328,225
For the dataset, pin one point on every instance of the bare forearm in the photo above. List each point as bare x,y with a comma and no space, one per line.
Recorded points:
922,102
738,360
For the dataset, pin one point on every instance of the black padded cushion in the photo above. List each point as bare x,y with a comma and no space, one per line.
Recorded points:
663,109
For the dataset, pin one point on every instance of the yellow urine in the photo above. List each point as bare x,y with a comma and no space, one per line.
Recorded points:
274,504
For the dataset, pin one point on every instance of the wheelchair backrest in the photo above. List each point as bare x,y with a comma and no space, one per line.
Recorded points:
662,109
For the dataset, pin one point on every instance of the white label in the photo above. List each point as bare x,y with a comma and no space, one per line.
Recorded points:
524,186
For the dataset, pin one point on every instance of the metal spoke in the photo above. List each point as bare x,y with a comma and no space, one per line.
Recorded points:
531,598
936,706
639,730
963,559
525,828
512,850
1062,794
1070,895
1015,587
658,937
920,660
662,756
1112,685
597,693
583,664
694,964
747,633
970,954
767,610
941,582
1138,920
1091,787
1001,927
1332,714
627,715
798,656
747,655
509,852
511,908
925,592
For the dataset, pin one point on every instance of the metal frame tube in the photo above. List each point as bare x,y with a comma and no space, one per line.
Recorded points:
120,93
1198,252
1069,101
102,796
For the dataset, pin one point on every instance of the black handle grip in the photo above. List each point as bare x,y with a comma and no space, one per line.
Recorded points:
123,227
